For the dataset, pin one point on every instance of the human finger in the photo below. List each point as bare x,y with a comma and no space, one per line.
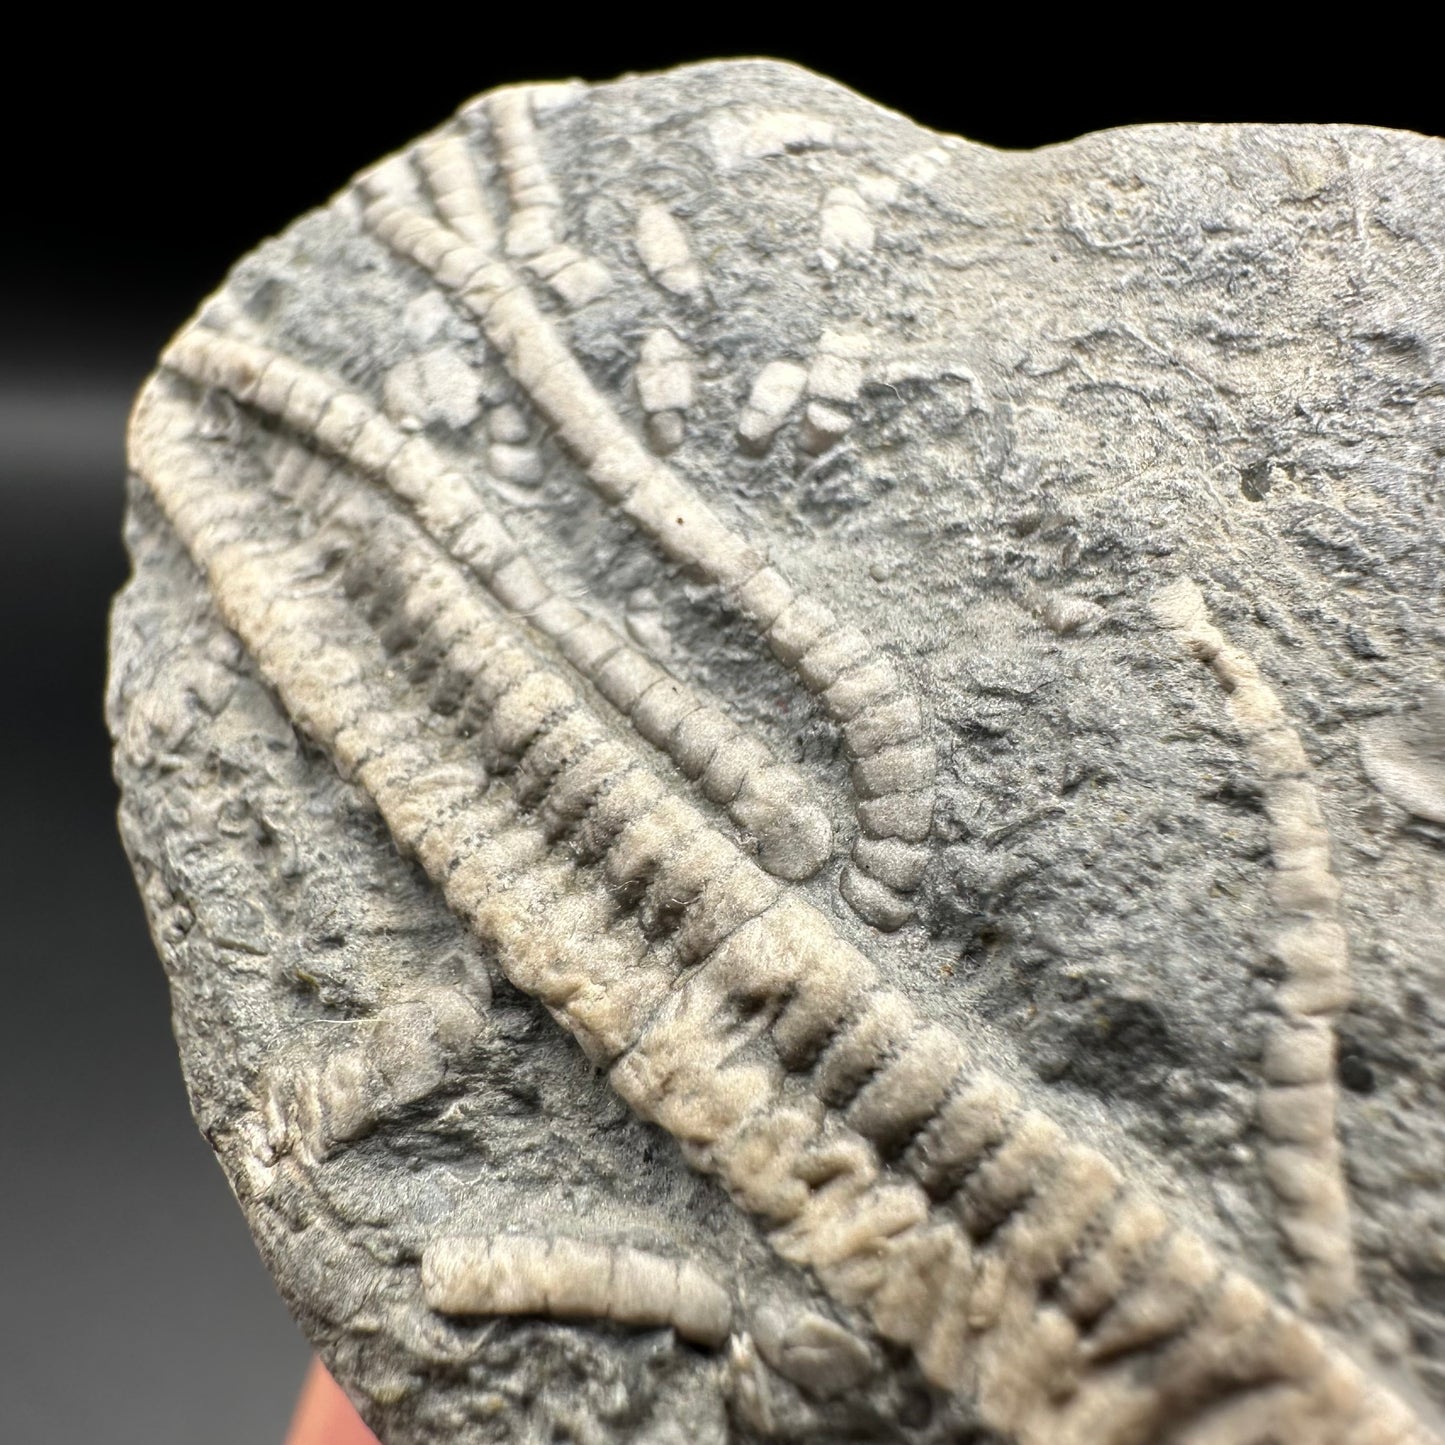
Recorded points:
324,1416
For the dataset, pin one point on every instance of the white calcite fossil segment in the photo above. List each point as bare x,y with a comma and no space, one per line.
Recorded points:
665,387
663,248
434,386
775,392
820,820
844,226
568,1278
513,463
745,133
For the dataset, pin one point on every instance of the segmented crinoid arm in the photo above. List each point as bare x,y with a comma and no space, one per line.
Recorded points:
861,689
538,407
878,1150
575,1279
534,228
1297,1105
767,799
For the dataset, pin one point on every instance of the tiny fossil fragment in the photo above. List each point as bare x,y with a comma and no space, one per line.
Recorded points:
703,894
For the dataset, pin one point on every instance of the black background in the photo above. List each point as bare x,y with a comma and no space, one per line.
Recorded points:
140,161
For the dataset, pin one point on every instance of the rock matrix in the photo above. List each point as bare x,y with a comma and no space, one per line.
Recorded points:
789,773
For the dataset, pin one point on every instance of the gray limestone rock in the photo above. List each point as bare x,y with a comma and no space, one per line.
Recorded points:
789,772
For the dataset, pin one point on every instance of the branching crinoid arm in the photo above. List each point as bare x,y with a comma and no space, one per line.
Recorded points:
378,1059
768,799
861,689
1019,1267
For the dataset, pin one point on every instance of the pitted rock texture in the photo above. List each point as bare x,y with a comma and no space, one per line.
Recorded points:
788,772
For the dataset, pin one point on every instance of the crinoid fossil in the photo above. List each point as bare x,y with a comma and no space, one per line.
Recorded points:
753,739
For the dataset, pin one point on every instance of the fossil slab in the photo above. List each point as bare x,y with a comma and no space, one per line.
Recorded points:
789,772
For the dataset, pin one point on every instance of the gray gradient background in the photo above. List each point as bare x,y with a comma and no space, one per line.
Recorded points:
134,1309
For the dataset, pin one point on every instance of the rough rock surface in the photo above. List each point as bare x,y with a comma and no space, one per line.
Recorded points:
790,772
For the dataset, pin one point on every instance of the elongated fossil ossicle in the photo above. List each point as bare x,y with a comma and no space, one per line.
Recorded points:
516,1274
